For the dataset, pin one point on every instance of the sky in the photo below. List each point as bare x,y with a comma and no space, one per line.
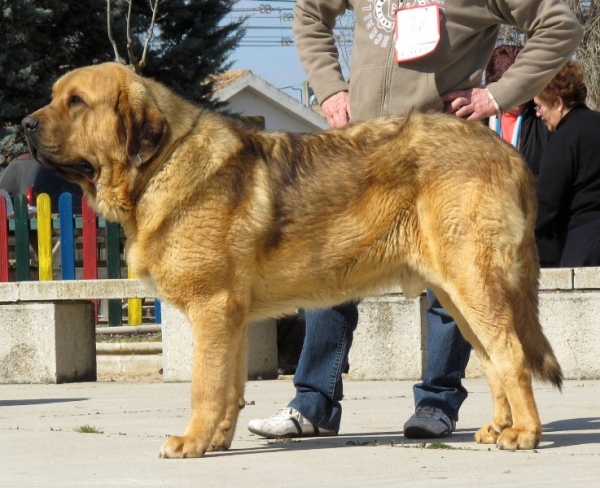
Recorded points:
261,50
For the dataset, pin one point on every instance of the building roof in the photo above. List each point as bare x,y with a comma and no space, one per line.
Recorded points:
232,83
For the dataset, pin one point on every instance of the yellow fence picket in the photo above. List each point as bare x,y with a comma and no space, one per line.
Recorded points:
44,224
134,307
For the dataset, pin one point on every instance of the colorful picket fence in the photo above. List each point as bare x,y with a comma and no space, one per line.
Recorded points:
51,232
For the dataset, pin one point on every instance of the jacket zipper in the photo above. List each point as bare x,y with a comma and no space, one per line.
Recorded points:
387,81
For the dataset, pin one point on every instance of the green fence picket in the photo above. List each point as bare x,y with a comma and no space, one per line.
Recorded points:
113,270
21,238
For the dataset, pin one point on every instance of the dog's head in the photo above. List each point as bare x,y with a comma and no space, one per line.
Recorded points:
101,127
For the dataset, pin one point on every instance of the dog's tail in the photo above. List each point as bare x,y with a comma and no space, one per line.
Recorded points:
536,347
540,356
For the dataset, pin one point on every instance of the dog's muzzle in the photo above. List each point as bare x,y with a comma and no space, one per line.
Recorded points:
81,166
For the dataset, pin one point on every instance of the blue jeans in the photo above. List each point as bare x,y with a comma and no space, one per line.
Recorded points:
324,356
447,357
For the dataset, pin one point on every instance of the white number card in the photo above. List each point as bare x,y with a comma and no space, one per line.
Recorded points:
417,31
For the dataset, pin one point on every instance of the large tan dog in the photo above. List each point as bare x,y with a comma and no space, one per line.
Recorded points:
233,225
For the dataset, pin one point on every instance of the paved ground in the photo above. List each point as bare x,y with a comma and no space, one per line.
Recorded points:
39,445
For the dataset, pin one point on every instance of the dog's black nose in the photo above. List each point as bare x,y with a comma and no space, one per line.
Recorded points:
30,124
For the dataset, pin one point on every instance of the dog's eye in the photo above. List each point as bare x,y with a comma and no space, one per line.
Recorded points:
74,100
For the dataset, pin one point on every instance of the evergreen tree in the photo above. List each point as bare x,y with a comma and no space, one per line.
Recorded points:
43,39
192,44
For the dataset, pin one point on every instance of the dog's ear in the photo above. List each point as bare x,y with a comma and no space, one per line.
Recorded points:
143,126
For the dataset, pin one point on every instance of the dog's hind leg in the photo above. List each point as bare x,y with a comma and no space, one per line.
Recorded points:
218,328
502,415
484,313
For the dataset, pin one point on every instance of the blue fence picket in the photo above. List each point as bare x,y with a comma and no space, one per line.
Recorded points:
67,236
157,311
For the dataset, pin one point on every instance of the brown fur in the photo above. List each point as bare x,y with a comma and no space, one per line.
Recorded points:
233,225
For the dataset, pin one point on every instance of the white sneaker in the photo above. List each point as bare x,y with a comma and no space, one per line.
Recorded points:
287,422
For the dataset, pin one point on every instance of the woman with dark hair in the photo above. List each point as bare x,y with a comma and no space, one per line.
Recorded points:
569,178
520,127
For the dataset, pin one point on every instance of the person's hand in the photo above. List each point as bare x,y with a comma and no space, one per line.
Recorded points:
472,104
337,109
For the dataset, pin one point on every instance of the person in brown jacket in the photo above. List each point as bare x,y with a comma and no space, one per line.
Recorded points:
428,55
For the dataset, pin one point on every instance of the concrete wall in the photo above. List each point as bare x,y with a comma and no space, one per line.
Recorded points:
178,347
47,332
390,339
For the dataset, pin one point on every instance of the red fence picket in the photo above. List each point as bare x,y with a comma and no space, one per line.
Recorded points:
4,264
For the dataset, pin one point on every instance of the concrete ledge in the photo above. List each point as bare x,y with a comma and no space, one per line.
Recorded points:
586,278
47,342
106,348
41,291
556,279
129,329
570,279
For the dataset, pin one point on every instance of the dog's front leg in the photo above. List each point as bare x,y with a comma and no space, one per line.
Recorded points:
218,327
221,441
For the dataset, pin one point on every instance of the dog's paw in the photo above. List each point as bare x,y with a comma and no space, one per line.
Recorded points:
223,445
512,439
488,434
176,447
223,437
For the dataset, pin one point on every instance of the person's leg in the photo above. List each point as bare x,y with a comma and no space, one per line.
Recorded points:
318,378
439,396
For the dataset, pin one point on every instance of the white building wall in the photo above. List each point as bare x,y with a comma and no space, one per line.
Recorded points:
251,104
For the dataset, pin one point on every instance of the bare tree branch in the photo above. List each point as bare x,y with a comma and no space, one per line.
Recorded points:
588,53
150,35
118,58
132,58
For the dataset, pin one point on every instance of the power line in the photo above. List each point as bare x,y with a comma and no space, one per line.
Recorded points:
267,27
269,16
264,10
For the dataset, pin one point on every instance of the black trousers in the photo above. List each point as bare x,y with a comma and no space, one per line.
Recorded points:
582,246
